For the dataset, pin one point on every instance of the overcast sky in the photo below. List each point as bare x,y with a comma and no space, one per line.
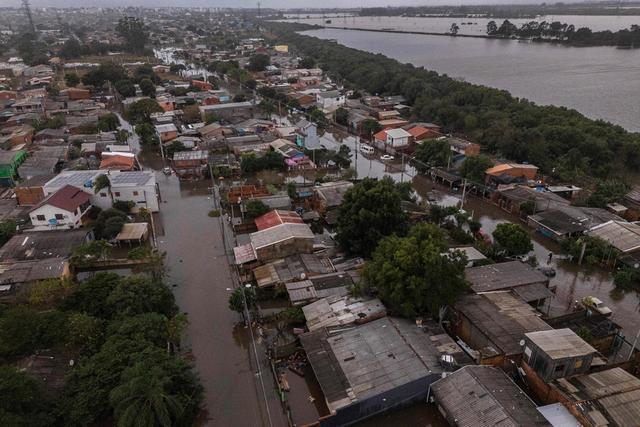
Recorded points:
279,4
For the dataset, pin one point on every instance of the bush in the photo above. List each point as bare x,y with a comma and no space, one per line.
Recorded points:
141,252
124,205
626,279
214,213
255,208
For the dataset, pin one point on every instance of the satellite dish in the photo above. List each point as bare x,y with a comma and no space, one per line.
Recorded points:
521,343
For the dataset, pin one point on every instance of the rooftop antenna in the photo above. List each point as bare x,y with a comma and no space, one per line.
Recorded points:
27,10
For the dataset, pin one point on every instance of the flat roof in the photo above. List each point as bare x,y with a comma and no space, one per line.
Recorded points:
478,396
504,275
133,178
191,155
133,231
341,310
42,245
560,343
214,107
280,233
624,236
75,178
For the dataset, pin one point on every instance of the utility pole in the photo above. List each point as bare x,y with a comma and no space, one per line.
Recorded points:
27,11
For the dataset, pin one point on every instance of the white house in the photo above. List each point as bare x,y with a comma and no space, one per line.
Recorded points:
84,180
397,138
330,100
135,186
62,209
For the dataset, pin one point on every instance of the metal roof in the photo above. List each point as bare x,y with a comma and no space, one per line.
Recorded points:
42,245
191,155
280,233
341,310
560,343
624,236
505,275
132,178
133,231
277,217
484,396
75,178
558,415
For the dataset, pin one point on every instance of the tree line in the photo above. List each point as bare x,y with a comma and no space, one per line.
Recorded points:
560,141
566,33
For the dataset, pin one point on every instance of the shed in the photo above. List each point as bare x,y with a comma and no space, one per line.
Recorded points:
133,232
281,241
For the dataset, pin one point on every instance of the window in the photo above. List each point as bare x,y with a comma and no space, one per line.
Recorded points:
103,194
135,193
559,368
59,216
40,217
578,364
117,194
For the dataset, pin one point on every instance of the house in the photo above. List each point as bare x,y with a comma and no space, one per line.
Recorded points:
568,221
9,163
291,268
623,236
118,161
397,138
526,282
39,245
65,208
328,196
190,163
524,172
420,133
167,132
277,217
484,396
133,232
519,199
330,100
84,180
493,324
366,370
135,186
557,353
30,192
464,147
341,311
281,241
202,85
17,277
74,93
321,286
232,111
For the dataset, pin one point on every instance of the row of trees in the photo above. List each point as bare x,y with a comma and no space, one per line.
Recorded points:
123,334
566,33
560,141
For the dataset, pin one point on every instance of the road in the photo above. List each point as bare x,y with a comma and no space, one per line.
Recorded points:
219,343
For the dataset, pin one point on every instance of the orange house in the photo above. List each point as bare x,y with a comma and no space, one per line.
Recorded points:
201,85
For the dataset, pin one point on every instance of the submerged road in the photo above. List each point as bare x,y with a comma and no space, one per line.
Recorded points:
220,346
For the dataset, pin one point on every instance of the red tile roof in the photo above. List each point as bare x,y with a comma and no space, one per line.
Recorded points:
68,198
381,136
117,162
277,217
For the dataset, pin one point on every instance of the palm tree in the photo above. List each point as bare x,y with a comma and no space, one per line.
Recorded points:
143,400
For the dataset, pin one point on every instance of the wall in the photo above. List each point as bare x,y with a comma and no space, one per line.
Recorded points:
286,248
70,219
29,196
146,197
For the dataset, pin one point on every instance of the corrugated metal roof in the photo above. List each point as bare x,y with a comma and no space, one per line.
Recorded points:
560,343
624,236
505,275
277,217
280,233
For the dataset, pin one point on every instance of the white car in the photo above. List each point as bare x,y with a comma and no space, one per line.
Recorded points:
596,305
386,158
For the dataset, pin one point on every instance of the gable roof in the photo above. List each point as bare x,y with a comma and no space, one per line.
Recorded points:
277,217
68,198
624,236
398,133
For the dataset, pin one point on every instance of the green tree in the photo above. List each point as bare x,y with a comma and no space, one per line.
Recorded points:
125,88
513,239
102,182
474,167
24,330
433,153
134,33
71,79
139,294
370,211
140,111
342,116
85,332
607,191
258,62
147,134
108,122
237,300
109,223
174,147
104,73
148,88
416,275
87,254
307,62
8,228
23,403
255,208
370,127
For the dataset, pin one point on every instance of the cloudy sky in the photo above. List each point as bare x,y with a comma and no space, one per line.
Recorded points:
252,3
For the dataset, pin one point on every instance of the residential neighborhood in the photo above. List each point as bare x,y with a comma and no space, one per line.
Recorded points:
192,204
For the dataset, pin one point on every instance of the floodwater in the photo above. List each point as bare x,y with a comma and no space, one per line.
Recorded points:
220,346
600,82
471,26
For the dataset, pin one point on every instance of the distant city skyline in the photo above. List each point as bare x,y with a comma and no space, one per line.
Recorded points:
274,4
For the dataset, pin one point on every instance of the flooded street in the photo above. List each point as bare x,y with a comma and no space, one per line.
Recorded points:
199,267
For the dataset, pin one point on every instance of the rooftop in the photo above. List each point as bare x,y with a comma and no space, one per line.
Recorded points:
191,155
42,245
560,343
277,217
68,198
133,231
29,271
75,178
398,133
342,310
624,236
280,233
479,396
505,275
333,192
132,178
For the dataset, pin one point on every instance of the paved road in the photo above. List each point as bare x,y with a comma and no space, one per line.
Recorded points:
198,265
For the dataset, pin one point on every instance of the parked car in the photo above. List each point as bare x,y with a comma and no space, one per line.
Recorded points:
595,304
366,149
386,158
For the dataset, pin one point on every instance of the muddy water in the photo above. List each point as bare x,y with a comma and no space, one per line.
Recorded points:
199,267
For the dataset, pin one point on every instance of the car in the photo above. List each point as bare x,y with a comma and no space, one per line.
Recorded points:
595,304
166,170
386,158
366,149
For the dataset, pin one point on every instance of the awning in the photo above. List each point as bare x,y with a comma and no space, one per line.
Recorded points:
244,254
133,231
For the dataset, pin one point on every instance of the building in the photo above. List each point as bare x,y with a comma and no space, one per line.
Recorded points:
281,241
623,236
525,281
65,208
9,163
232,111
336,311
330,100
190,163
277,217
30,192
136,186
557,353
291,268
476,396
328,196
84,180
321,286
369,369
524,172
167,132
464,147
39,245
118,161
397,138
494,324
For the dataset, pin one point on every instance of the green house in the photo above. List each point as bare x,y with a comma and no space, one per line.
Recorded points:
9,162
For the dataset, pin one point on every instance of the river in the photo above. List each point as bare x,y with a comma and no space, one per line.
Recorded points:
600,82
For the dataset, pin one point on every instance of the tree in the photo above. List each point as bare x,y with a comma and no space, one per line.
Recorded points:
370,127
258,62
85,332
271,160
24,330
71,79
8,228
125,88
174,147
513,239
104,73
148,88
237,300
307,62
147,134
256,208
416,275
108,122
342,116
134,33
138,294
87,254
492,28
109,223
23,403
140,111
474,167
607,191
191,114
101,182
48,293
369,211
454,29
433,153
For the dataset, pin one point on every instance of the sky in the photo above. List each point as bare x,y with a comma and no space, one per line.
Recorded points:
278,4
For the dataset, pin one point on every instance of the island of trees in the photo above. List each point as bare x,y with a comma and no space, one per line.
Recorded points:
565,33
